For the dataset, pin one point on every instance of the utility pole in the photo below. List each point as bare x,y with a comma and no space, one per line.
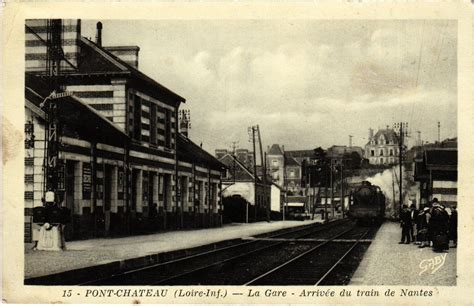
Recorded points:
263,162
393,187
350,141
325,203
403,127
439,132
252,130
310,204
332,192
342,187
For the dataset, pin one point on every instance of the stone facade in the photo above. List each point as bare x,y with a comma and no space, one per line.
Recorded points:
382,148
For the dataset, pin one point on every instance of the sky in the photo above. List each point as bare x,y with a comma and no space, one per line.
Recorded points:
306,83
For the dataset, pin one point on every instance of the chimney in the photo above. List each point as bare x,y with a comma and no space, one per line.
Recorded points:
128,54
98,36
371,134
283,148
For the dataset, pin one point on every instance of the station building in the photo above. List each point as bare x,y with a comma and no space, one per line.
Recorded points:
240,187
436,173
125,167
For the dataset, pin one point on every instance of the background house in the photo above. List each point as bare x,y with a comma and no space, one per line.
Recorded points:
382,148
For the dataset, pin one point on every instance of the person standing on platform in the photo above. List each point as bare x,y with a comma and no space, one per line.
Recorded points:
423,225
453,226
439,225
406,224
413,216
65,218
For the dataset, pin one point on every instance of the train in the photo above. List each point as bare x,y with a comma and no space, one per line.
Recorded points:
367,203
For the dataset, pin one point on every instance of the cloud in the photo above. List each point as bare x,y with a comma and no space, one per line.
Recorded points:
310,91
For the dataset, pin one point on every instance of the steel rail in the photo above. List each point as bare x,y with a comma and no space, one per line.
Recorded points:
297,257
313,228
319,229
342,258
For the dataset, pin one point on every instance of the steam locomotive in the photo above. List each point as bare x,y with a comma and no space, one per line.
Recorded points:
367,203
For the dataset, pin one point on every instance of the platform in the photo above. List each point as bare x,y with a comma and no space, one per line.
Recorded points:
388,263
92,252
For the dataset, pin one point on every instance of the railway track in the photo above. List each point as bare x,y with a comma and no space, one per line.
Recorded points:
317,265
170,271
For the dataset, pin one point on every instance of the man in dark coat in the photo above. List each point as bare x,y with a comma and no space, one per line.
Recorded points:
439,224
413,217
406,224
453,226
422,227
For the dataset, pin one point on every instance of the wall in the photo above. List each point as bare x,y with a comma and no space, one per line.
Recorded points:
35,52
276,199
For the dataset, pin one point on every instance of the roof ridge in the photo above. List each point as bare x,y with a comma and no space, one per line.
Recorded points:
117,62
275,150
125,66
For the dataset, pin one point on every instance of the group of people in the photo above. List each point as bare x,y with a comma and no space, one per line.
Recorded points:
432,226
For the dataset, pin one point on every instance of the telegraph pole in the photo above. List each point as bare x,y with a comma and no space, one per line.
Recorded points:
252,131
264,175
400,164
332,191
439,132
403,126
342,187
310,203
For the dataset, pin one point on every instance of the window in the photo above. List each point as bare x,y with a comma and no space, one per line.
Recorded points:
275,162
372,153
381,152
153,139
137,118
381,160
292,173
391,152
167,128
387,142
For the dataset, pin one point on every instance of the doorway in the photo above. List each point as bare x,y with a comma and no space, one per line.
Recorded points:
107,196
69,198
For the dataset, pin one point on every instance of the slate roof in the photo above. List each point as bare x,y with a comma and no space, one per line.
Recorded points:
437,163
299,153
275,150
95,60
441,157
341,150
291,161
389,135
242,173
78,116
191,152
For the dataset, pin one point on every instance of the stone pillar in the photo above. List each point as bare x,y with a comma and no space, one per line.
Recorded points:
139,191
114,190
